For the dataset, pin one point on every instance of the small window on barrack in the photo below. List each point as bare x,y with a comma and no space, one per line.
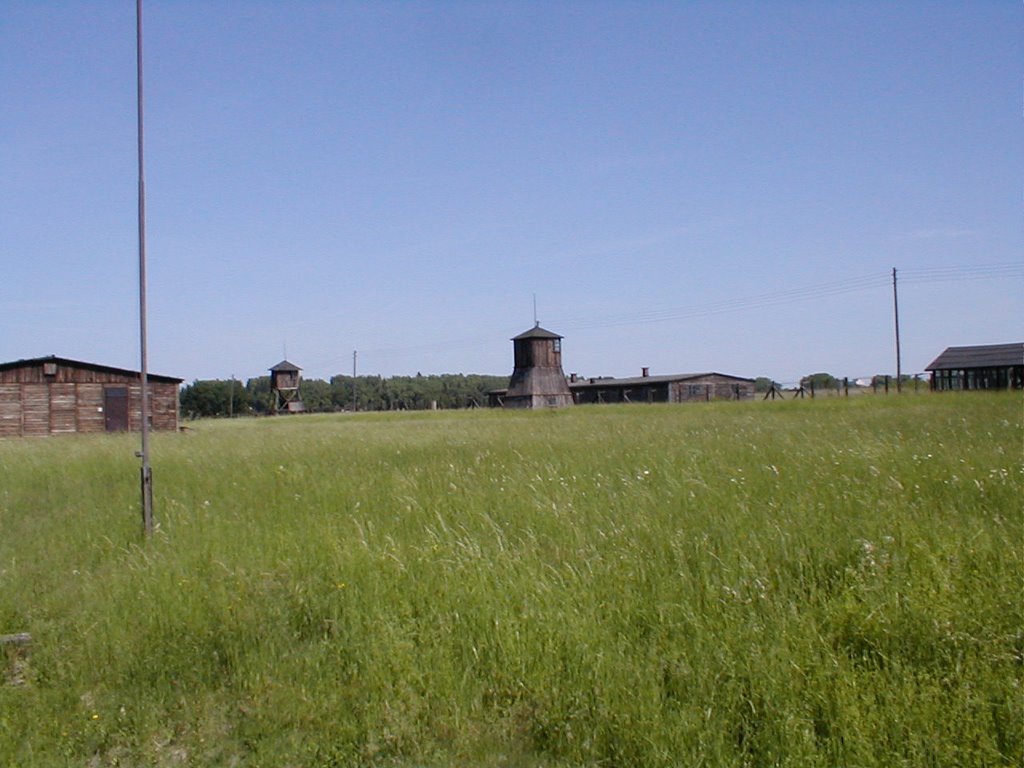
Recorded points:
557,345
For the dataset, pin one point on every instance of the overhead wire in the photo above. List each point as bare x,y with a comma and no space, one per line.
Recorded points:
766,300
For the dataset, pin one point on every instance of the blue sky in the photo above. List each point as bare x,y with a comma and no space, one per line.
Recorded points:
686,186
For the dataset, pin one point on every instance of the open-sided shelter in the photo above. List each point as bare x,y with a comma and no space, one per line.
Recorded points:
987,366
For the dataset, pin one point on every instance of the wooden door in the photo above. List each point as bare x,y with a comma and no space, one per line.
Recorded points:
115,409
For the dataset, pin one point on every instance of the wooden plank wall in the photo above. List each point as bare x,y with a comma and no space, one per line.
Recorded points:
10,410
163,406
60,408
35,409
89,408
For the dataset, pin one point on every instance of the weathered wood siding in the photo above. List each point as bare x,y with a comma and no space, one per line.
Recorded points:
284,380
89,408
539,353
72,400
10,410
35,409
62,408
663,389
537,380
712,388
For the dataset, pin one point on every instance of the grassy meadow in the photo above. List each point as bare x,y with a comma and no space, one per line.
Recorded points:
812,583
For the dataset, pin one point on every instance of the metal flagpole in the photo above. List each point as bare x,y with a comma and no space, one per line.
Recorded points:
896,316
147,471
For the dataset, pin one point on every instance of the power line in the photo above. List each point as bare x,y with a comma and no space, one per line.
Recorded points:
757,301
796,295
765,300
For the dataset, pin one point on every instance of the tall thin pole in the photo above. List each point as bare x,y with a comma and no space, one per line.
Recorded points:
355,398
896,316
147,470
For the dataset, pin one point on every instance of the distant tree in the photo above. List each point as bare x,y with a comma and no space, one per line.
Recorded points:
260,394
316,395
819,381
421,391
878,380
212,398
761,384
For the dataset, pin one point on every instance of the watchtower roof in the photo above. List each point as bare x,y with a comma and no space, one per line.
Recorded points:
536,333
284,365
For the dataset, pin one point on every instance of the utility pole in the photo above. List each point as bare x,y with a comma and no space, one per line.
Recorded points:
355,399
896,316
147,470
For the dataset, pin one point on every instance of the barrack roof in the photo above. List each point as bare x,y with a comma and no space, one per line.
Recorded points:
638,380
68,362
979,356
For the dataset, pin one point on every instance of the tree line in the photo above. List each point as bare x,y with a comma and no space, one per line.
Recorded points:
212,398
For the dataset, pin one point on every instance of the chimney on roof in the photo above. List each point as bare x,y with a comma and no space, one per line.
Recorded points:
645,372
573,377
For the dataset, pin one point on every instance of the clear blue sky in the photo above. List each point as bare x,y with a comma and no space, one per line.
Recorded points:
687,186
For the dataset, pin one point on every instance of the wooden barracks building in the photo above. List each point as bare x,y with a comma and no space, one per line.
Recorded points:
986,366
54,395
538,381
674,388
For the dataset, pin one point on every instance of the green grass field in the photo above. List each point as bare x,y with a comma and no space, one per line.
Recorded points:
815,583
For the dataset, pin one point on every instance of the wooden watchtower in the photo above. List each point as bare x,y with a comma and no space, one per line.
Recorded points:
537,379
284,388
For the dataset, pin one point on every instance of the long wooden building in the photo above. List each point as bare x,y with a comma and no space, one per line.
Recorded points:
674,388
55,395
986,366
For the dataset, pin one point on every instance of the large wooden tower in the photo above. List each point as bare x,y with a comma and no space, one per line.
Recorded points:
284,387
537,379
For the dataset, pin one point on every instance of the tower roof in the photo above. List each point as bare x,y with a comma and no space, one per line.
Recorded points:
284,365
536,333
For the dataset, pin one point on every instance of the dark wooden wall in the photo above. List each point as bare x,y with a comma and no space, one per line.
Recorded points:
537,353
72,400
691,389
712,387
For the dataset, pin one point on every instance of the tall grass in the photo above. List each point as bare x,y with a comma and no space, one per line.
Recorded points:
814,583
